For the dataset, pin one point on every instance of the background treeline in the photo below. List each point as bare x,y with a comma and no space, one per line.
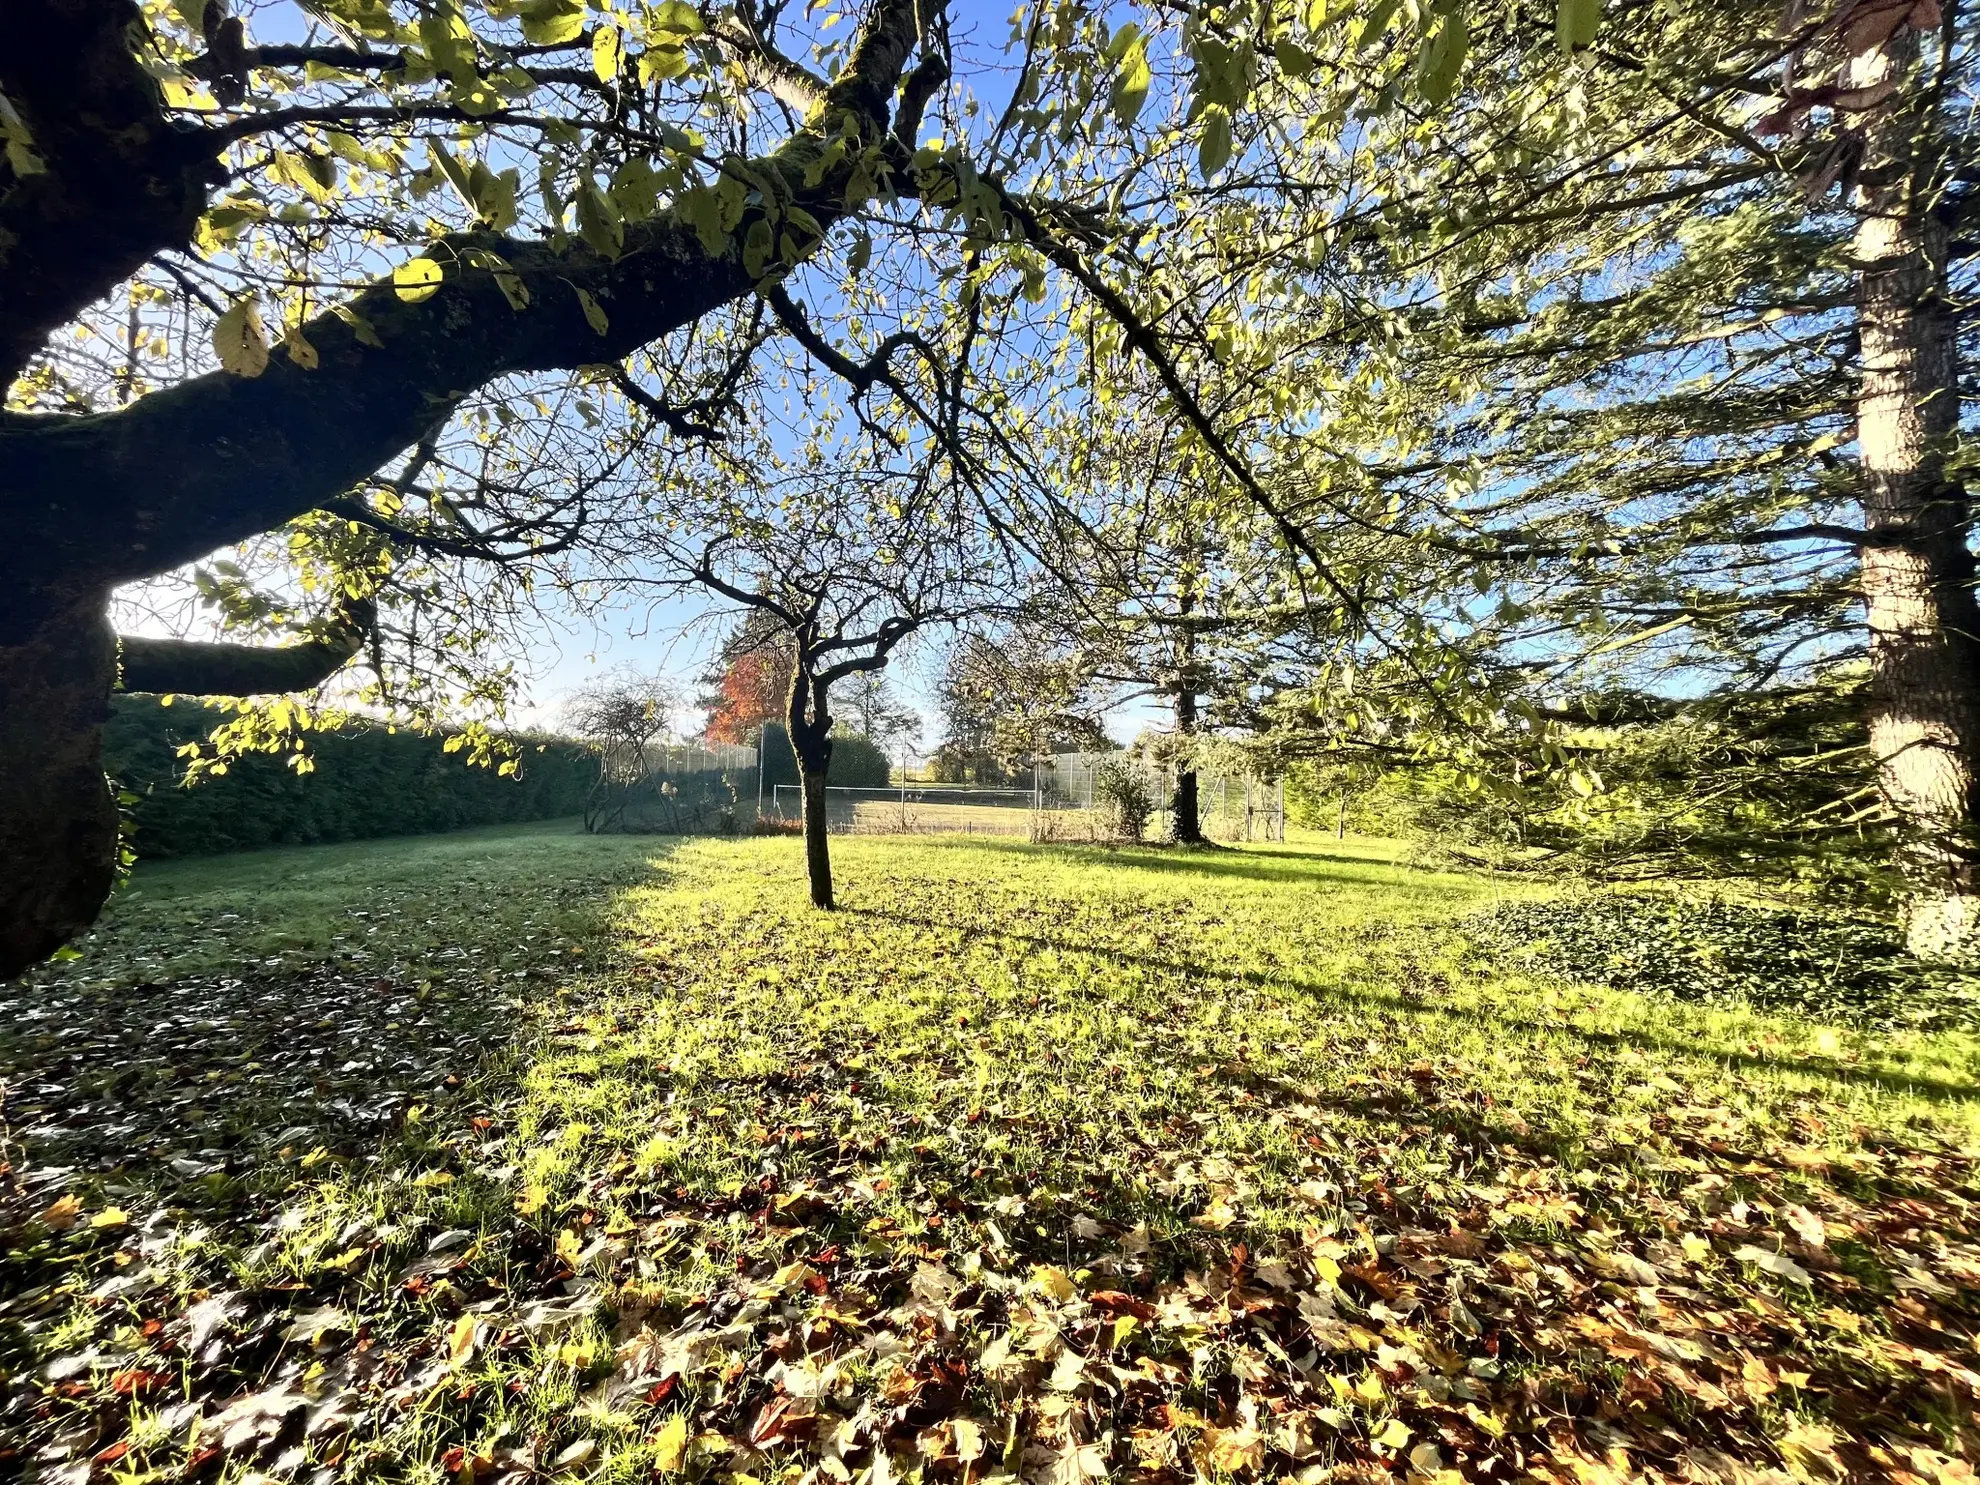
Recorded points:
367,782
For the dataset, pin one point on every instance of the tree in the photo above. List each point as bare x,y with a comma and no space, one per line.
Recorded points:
1012,691
749,680
879,715
108,171
308,298
847,563
621,717
1633,364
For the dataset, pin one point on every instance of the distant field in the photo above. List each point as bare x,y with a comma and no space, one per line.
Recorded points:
523,1152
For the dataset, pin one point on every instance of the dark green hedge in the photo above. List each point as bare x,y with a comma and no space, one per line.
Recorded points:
856,762
367,782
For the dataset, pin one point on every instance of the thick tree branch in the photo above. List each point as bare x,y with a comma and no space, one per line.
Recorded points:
202,668
113,182
114,497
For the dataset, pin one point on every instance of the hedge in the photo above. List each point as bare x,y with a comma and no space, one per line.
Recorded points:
857,763
367,782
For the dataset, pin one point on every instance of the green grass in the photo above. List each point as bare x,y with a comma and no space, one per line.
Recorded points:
1038,1161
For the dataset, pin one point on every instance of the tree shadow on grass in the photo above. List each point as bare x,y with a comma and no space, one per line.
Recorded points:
167,1079
1421,1008
1288,868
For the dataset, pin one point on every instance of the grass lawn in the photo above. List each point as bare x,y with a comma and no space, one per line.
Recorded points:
520,1153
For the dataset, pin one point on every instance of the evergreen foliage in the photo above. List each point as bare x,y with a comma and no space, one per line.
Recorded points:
857,763
367,782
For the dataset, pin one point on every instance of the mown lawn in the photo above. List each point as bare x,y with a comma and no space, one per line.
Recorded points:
523,1153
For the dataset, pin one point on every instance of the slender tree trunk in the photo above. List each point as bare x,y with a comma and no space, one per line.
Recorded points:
1917,572
817,840
1186,806
58,818
809,717
1340,825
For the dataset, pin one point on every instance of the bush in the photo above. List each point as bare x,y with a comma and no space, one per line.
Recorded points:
1122,795
1828,965
367,782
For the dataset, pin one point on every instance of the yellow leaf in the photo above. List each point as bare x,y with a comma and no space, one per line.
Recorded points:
670,1446
61,1214
238,340
608,53
460,1341
594,315
969,1440
1053,1281
416,280
1394,1434
300,350
109,1217
436,1178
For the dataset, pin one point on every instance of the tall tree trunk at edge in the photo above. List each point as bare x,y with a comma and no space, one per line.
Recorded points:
58,818
1186,809
1917,572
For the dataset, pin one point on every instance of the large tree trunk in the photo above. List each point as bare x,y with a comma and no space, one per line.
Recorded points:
1917,572
817,841
58,819
1185,807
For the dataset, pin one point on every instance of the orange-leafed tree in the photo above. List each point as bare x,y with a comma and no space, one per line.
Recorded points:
750,682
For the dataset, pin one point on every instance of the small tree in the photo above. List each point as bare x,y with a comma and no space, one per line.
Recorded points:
621,717
846,563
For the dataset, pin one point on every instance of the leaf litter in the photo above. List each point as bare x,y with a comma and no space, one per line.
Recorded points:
1053,1187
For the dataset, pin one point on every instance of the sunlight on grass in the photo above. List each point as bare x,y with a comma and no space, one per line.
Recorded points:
1052,1162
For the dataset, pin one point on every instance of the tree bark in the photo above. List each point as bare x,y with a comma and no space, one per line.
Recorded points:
1186,808
1917,571
808,717
58,818
817,839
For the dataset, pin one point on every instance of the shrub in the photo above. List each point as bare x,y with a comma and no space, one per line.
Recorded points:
1122,795
857,763
1830,965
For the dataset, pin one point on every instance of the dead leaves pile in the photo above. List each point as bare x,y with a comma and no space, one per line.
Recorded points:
1694,1311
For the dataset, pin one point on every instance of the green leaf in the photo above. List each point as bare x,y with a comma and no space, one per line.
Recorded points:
238,339
1213,151
599,222
671,19
1375,23
552,22
1443,58
1576,22
418,279
594,313
661,63
1295,61
1131,82
757,245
